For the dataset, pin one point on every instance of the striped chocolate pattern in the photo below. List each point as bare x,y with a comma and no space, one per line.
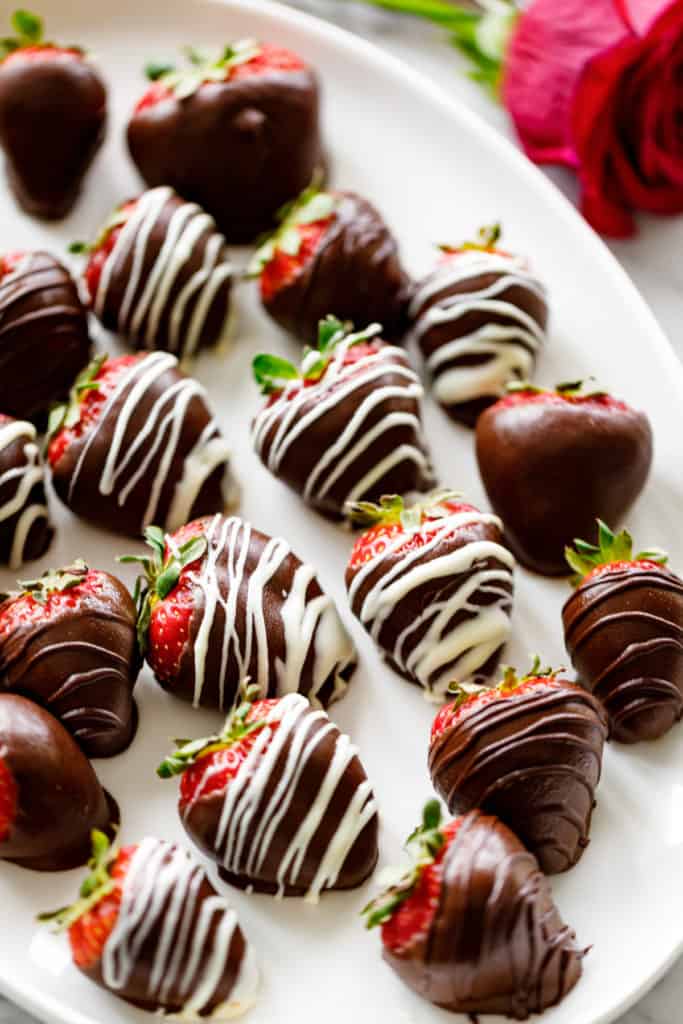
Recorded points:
441,612
155,453
299,816
480,321
624,634
176,946
166,283
25,531
533,759
260,614
355,435
497,943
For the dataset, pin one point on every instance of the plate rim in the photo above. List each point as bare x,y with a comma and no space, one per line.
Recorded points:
48,1008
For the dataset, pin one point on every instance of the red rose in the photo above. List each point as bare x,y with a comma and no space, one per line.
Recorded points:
598,85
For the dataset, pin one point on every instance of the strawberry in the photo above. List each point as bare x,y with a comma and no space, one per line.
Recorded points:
240,60
52,117
407,910
391,520
208,766
9,798
613,553
57,592
552,461
87,398
10,260
91,919
103,246
167,595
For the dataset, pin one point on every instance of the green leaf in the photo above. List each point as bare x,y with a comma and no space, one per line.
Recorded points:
328,331
271,373
28,26
155,70
78,248
97,884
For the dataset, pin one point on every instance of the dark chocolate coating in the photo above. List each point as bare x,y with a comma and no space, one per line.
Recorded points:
203,817
81,664
433,338
413,615
44,340
151,296
79,483
533,759
170,895
53,113
246,631
551,467
355,274
20,463
623,631
60,800
497,943
326,426
241,149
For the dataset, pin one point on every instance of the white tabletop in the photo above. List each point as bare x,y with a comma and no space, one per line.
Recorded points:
649,260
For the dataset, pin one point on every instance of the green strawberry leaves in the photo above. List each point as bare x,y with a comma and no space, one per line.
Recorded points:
95,886
272,373
55,581
29,32
611,547
487,238
392,509
423,845
311,205
203,68
67,414
161,573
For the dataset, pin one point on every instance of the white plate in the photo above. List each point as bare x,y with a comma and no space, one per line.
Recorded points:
437,173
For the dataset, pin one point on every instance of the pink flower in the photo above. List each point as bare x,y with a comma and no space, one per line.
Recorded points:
597,85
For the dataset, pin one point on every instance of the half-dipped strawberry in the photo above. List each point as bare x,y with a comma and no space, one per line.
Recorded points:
220,603
346,425
68,641
53,111
553,461
44,340
238,134
623,629
159,274
50,798
136,443
480,319
332,253
528,751
432,584
279,799
472,926
149,927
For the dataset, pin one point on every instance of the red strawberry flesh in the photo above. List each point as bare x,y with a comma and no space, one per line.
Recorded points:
25,610
284,268
10,260
373,542
412,919
88,935
42,52
450,714
641,564
556,398
9,800
100,254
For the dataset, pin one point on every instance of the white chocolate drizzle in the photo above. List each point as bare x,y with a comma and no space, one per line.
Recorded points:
508,349
24,478
308,625
161,897
245,842
429,650
149,292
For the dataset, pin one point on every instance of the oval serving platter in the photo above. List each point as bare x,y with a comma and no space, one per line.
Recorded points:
436,173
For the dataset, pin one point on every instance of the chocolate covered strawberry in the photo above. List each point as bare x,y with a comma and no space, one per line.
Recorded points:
25,528
332,253
432,583
44,340
472,926
237,132
160,275
554,461
529,751
220,603
149,927
279,799
480,319
136,442
623,629
68,641
347,424
53,111
50,797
